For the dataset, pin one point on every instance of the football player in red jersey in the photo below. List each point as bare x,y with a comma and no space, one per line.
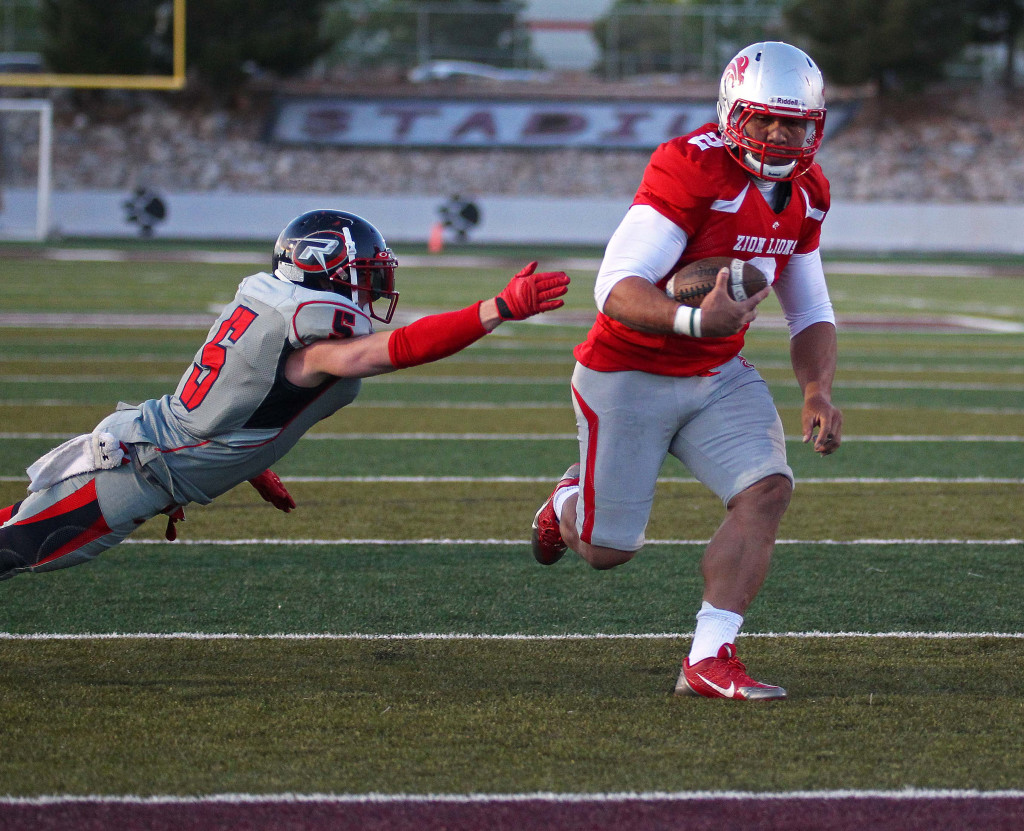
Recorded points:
655,377
288,351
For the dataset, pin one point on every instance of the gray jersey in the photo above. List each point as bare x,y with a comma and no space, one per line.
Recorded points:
234,414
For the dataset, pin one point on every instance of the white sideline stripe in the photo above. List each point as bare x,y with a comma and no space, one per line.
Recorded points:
466,636
516,380
88,379
675,480
900,437
493,541
902,795
909,437
916,385
888,407
500,380
881,267
851,364
363,404
536,405
557,359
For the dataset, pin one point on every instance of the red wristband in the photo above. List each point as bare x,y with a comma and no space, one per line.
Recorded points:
435,336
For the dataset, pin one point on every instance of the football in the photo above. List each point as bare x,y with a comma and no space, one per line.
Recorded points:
691,284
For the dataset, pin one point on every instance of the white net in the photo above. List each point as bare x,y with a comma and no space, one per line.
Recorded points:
26,140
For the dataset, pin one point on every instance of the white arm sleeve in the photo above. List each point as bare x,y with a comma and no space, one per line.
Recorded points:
645,244
802,292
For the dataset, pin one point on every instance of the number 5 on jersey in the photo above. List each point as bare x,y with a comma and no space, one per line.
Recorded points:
204,372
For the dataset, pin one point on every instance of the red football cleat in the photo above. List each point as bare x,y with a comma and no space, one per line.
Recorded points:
548,545
724,677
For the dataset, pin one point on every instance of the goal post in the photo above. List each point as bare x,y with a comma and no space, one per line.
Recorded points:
26,186
174,81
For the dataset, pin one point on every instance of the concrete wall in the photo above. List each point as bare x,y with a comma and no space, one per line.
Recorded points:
868,227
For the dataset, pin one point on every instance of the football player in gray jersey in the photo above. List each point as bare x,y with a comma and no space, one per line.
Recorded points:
290,349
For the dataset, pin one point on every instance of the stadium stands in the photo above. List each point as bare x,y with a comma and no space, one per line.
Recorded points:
946,146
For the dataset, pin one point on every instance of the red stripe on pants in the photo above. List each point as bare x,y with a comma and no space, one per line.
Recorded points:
94,531
587,483
79,499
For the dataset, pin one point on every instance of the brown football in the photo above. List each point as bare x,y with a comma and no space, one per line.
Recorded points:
691,284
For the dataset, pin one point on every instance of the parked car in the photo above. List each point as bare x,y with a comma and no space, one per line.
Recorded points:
457,70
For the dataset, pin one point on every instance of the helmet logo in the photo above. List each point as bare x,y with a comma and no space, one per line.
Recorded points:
735,71
312,252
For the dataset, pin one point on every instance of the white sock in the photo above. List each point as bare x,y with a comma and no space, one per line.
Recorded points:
560,496
714,628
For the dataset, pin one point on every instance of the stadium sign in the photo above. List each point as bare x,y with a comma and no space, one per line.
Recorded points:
368,122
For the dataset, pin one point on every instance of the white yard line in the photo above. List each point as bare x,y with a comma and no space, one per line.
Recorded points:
459,636
900,795
537,405
387,543
896,437
519,381
810,480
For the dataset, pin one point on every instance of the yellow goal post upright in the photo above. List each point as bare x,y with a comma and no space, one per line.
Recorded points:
174,81
25,206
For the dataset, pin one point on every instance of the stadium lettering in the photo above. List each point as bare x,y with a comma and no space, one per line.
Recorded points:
679,126
626,129
546,124
482,122
328,122
406,118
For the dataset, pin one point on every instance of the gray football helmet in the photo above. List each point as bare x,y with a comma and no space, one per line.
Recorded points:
771,78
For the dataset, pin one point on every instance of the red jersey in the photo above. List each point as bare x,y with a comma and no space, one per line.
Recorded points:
694,181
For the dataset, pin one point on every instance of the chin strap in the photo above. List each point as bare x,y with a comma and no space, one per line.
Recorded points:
770,172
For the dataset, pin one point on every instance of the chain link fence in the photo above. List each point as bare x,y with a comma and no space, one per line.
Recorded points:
632,39
680,40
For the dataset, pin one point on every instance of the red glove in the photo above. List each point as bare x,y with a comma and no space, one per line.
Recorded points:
528,294
175,514
268,485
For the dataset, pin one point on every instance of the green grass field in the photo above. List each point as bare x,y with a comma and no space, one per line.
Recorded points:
394,635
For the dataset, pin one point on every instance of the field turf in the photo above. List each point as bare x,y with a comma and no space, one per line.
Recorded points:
393,635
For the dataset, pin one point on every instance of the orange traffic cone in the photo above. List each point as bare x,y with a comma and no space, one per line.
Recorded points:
435,243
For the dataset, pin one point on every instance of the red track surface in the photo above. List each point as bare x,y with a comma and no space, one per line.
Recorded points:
853,813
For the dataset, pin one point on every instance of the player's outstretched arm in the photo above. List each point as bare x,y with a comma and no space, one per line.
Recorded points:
430,338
